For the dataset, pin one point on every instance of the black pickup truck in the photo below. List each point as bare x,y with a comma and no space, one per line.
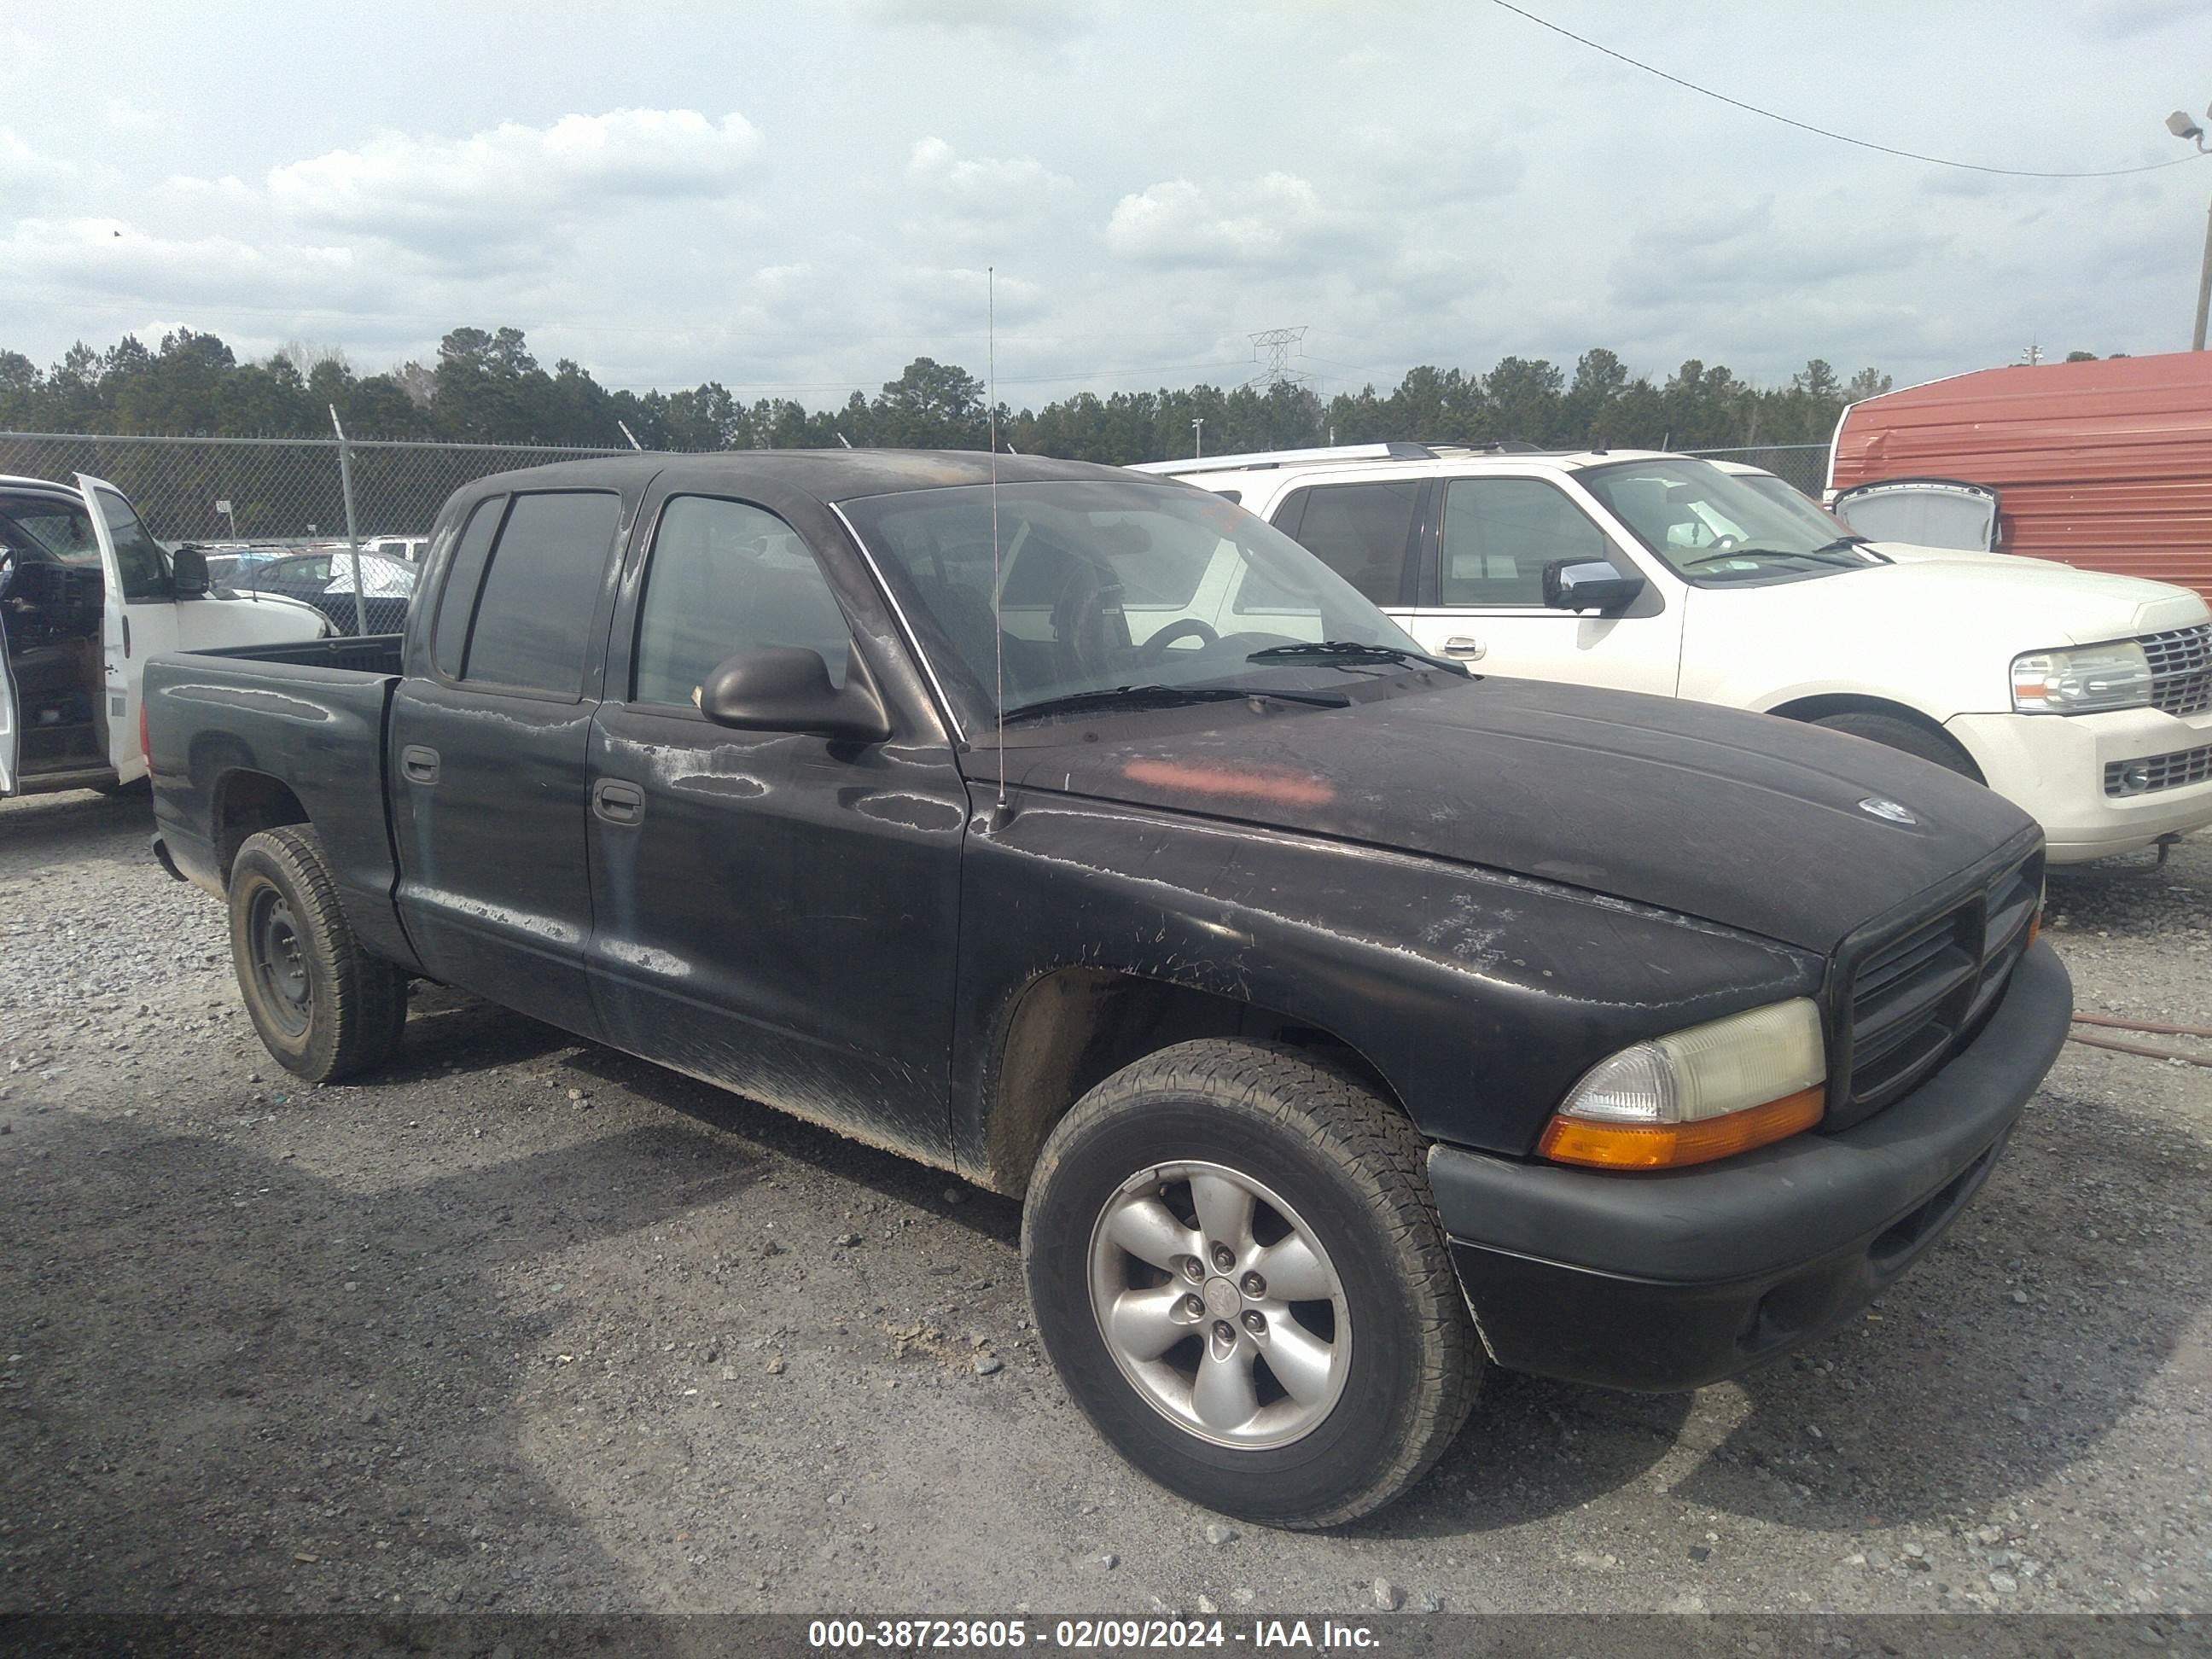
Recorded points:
1339,1017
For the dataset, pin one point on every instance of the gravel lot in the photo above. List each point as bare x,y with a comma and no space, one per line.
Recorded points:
525,1325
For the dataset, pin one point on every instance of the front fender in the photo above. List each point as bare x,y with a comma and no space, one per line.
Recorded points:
1479,997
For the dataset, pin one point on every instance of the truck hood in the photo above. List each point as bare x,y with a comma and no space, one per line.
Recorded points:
2015,603
1745,820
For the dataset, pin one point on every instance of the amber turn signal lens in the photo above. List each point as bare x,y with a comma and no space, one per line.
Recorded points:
2034,928
1671,1145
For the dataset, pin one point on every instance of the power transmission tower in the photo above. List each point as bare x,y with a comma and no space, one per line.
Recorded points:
1271,350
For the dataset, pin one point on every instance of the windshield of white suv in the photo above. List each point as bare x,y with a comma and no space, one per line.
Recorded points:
1713,527
1143,594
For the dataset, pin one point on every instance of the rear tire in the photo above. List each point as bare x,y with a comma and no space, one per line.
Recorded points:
1892,732
324,1006
1376,1359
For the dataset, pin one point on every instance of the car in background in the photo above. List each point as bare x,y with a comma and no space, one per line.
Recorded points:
325,581
2084,696
1778,488
86,596
407,549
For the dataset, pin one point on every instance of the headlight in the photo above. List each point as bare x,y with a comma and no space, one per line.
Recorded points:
2085,680
1700,1094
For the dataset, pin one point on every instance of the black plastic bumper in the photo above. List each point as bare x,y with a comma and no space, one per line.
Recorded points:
1673,1279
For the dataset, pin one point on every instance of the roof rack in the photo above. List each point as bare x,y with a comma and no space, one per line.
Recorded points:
1260,460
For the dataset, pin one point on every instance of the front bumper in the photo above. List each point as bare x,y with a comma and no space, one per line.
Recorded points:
1671,1281
2053,767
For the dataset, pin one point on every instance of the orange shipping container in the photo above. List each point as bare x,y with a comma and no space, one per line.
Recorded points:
2107,465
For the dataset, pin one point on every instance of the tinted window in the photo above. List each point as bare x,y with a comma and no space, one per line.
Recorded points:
1499,533
727,577
137,555
1362,531
533,621
463,575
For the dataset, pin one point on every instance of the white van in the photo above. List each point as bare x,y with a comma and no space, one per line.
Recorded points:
86,597
2084,697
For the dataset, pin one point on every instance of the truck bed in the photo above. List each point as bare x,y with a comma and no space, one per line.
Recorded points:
378,654
249,737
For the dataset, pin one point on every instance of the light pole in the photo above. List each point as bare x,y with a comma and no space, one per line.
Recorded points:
1198,437
2181,126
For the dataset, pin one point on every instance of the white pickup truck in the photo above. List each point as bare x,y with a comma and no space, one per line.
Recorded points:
2085,698
86,597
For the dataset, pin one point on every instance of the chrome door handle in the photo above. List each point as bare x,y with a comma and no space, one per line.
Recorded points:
1465,647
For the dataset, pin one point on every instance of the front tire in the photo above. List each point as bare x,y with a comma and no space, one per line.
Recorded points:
324,1006
1904,736
1237,1265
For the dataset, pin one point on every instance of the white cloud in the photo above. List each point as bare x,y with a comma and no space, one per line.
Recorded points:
1037,19
27,176
983,187
1277,220
107,256
440,195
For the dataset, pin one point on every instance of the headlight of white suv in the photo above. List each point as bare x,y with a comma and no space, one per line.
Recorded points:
1696,1095
2086,680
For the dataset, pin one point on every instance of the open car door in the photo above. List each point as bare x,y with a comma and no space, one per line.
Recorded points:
139,617
1923,512
10,726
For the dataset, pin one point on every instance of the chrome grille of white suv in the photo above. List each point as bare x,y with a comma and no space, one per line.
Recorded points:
2180,669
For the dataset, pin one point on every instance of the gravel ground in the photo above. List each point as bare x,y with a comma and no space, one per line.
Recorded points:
525,1325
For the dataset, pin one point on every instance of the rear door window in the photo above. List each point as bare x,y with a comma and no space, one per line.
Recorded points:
1362,531
463,578
540,593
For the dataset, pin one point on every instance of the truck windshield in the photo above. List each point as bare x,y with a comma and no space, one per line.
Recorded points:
1102,586
1713,527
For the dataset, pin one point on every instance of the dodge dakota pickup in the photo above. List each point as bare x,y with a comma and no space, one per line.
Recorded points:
1344,1021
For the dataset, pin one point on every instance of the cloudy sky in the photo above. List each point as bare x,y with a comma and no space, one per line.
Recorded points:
796,199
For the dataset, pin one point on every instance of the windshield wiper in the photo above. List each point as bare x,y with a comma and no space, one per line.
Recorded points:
1166,696
1831,554
1349,651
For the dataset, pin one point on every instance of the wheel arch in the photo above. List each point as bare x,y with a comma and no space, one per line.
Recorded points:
1069,1029
1819,707
246,802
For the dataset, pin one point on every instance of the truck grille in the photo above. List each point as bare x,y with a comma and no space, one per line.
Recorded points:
1915,996
2154,772
2180,669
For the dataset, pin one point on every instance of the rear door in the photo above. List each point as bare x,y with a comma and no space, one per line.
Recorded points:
487,752
140,614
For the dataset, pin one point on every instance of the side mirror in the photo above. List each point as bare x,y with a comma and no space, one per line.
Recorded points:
781,688
1589,584
189,566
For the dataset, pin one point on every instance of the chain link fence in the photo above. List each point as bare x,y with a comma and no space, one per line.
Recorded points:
1805,465
285,490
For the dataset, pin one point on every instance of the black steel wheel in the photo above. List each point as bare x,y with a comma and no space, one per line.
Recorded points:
324,1007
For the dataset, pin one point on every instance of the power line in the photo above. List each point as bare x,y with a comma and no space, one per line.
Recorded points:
1840,137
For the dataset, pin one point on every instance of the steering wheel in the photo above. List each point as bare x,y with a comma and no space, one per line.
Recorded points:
1156,647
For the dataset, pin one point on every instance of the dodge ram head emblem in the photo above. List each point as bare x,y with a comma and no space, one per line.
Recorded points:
1889,811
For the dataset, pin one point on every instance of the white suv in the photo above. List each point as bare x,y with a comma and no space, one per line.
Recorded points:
2085,697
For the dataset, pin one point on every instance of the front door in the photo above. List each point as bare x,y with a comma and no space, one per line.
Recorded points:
1483,602
140,615
772,911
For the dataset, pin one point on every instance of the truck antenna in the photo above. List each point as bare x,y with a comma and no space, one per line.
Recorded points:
999,813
